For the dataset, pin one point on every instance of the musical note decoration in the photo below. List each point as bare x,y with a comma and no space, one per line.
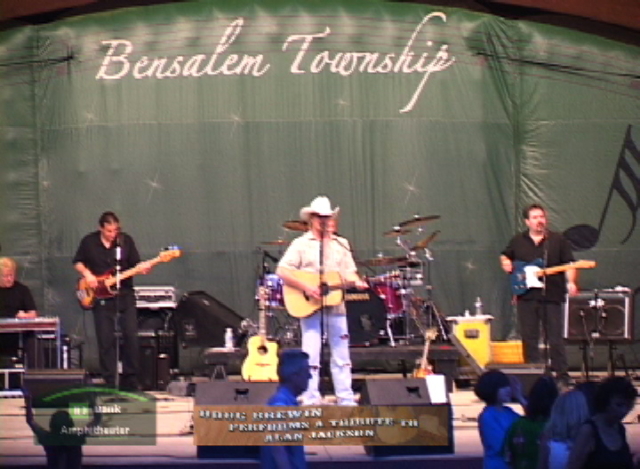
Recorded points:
626,185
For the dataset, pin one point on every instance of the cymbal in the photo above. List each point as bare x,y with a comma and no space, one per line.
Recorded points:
277,242
417,221
381,261
426,241
296,225
397,231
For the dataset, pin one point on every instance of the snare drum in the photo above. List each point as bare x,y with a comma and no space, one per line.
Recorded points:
273,286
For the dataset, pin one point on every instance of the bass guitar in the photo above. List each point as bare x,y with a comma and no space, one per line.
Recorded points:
528,275
261,363
105,289
299,305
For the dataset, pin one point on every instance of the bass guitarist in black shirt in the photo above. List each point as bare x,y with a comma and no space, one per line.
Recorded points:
98,255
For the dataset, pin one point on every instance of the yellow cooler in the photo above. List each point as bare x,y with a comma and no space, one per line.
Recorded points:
474,332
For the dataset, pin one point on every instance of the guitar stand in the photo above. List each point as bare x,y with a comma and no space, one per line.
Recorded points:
613,360
587,359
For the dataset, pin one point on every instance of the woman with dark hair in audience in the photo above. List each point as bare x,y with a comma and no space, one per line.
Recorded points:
523,438
496,389
602,440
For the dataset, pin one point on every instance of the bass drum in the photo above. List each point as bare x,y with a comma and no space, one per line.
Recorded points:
366,317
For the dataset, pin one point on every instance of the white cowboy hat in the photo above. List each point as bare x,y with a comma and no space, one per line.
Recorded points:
319,206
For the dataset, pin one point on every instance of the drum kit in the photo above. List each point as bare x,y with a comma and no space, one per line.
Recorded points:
395,312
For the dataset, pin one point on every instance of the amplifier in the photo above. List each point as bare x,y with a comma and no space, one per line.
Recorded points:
599,315
155,297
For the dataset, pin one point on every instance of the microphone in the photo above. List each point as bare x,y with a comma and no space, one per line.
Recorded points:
118,242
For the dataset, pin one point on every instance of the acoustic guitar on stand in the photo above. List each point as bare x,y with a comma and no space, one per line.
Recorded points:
106,283
527,275
261,363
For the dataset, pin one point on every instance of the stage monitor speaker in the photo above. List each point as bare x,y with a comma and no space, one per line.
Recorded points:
232,393
599,315
201,320
401,392
53,388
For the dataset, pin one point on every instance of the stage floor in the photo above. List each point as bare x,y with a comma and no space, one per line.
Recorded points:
174,447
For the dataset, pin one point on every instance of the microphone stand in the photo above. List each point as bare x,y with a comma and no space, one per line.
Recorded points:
545,318
116,318
323,374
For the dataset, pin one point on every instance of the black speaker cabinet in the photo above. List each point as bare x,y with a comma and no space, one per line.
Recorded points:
232,393
366,317
201,320
148,375
600,315
411,391
156,359
54,388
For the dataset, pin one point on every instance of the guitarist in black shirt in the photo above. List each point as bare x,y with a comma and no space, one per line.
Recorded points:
541,306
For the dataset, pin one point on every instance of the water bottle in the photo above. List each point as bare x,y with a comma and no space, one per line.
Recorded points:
228,338
478,306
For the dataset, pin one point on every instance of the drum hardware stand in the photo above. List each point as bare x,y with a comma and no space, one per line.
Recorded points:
429,308
406,292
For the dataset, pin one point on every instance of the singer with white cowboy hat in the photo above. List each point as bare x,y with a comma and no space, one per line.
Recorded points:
304,255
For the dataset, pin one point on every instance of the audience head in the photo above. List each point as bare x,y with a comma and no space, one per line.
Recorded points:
541,397
493,387
568,413
293,370
59,420
588,388
615,397
8,269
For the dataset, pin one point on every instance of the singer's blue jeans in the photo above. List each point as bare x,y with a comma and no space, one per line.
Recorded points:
337,333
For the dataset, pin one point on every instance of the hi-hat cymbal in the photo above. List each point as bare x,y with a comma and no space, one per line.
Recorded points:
382,261
277,242
426,241
397,231
296,225
417,221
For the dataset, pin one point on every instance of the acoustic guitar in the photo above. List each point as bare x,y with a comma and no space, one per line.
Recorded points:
261,363
106,283
528,275
299,305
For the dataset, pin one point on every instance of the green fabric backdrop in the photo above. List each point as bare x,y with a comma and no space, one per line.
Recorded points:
390,109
